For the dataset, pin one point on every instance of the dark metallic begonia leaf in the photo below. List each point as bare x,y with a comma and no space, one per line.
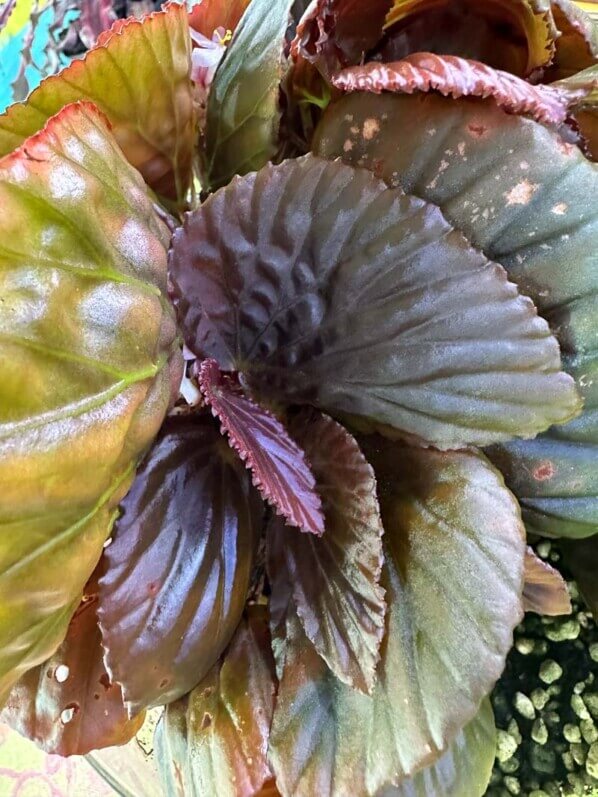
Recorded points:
179,566
336,579
460,77
322,286
68,705
243,114
453,575
527,199
214,740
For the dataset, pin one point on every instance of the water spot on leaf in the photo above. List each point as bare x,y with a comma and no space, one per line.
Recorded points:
61,673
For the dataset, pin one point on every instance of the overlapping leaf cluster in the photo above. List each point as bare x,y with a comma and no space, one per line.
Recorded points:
386,286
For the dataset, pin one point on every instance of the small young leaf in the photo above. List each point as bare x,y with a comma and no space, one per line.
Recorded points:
214,740
525,198
453,573
243,114
322,286
459,77
67,705
179,567
139,76
277,464
336,579
515,35
89,359
544,590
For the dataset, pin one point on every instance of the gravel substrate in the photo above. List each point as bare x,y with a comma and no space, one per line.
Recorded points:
546,704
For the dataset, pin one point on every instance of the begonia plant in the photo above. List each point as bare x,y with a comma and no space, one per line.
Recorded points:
298,342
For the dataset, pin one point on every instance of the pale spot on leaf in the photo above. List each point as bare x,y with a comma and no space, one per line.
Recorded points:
521,194
370,128
65,183
560,209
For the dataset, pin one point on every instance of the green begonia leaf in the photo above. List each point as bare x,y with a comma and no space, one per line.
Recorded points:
88,361
454,548
138,74
527,200
68,705
179,567
464,770
322,286
214,741
243,113
336,579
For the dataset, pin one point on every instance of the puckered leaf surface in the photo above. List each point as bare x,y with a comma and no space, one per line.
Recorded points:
527,199
577,46
179,566
139,76
463,770
68,705
460,77
321,286
88,360
214,741
336,579
278,466
515,35
243,113
454,548
545,590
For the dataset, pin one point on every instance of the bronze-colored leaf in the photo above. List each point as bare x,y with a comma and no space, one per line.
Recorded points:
336,579
460,77
68,705
544,590
214,741
179,566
